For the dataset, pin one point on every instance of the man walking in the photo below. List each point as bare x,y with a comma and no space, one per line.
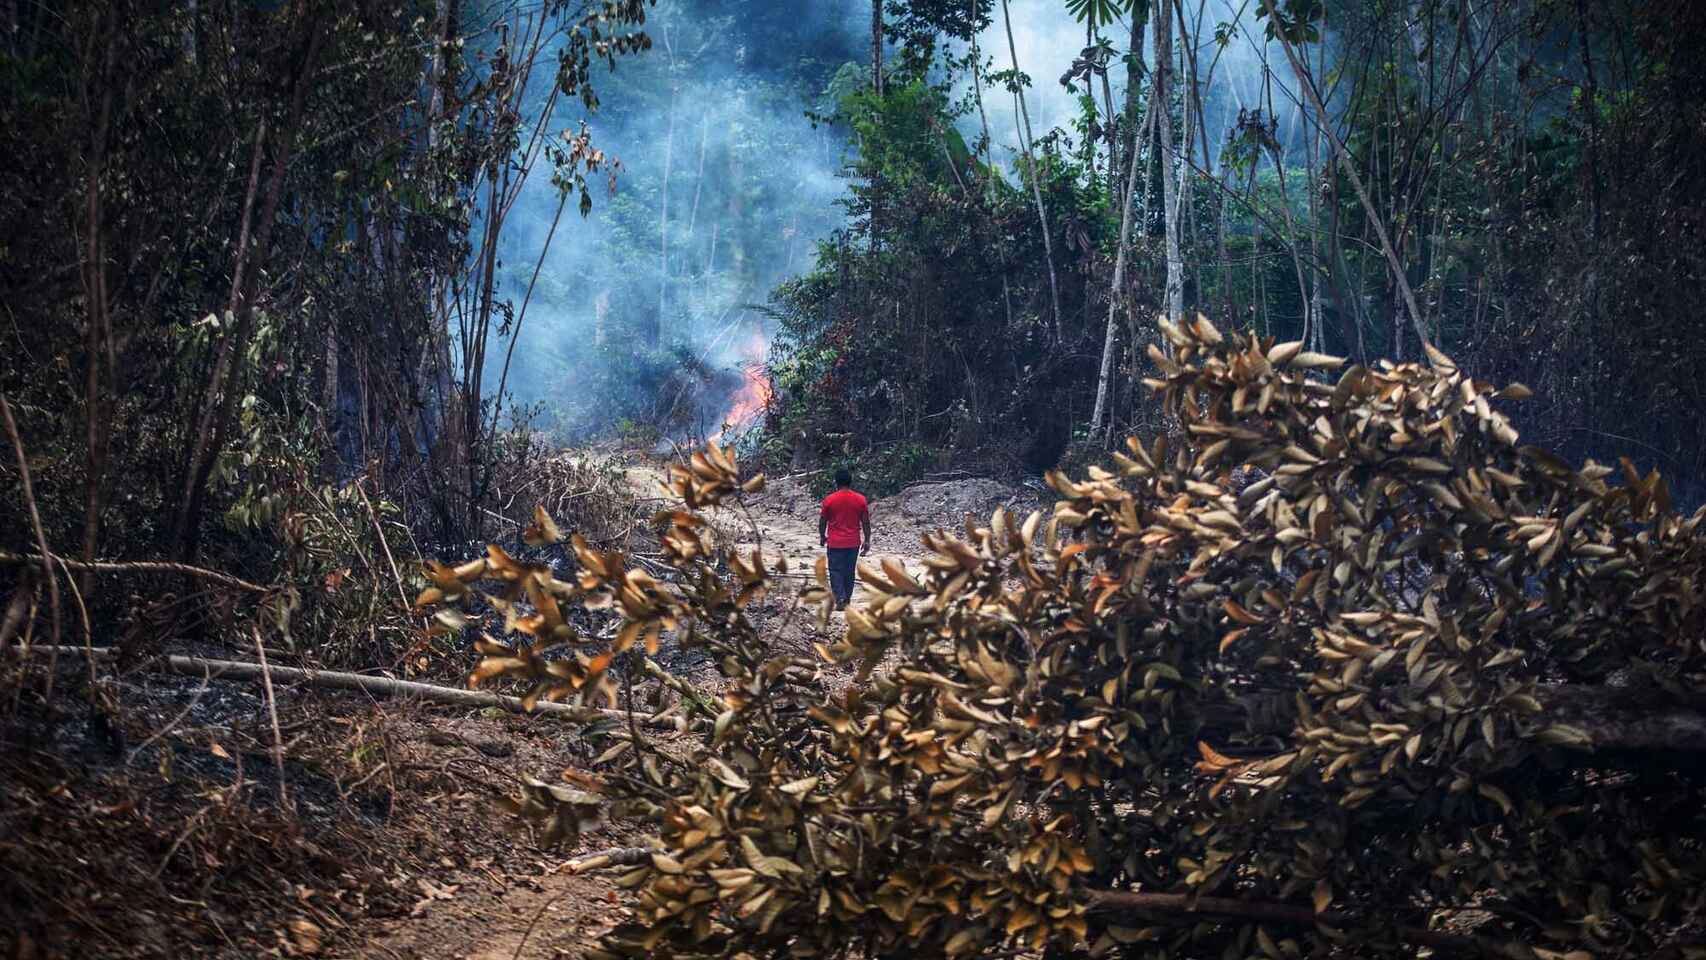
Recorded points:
844,527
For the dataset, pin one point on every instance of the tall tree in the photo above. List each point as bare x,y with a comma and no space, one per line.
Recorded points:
1170,165
1034,168
877,47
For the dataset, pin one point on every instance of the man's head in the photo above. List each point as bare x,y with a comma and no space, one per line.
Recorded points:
843,478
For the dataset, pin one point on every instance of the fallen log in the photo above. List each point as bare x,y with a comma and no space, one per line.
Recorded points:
1439,941
202,667
1614,721
138,566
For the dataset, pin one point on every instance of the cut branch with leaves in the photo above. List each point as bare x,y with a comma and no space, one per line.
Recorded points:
1327,658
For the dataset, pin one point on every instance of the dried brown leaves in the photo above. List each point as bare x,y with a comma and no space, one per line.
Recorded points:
1328,689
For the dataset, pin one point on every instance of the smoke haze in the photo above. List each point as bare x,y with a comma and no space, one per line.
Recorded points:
644,311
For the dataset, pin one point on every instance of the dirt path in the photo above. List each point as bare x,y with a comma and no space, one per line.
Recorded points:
526,911
521,906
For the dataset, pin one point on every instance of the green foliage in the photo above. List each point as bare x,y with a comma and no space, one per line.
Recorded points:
919,331
1099,14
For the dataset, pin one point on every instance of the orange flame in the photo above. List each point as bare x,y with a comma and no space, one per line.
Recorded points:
753,397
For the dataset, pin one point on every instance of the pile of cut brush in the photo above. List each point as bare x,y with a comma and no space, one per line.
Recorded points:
1416,685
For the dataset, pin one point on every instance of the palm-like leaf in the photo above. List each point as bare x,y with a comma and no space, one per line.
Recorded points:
1099,13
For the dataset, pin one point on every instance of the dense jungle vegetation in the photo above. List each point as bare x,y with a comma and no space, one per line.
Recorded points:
1517,184
308,300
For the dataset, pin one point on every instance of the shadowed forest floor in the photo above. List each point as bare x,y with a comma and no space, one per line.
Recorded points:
396,846
527,907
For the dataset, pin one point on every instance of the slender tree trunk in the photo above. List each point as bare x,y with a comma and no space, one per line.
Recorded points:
1035,172
987,149
877,47
663,196
1316,171
1590,106
434,412
1111,133
329,389
1169,160
1291,240
1134,77
1195,131
1345,163
98,323
1115,296
698,180
186,40
876,88
983,116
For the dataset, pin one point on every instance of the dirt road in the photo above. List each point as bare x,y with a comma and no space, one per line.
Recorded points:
523,906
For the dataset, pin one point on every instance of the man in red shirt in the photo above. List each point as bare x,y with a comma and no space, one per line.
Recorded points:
844,527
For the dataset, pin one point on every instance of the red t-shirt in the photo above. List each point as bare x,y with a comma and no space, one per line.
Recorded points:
846,512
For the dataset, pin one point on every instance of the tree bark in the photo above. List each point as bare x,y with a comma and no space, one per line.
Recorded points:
1115,295
663,193
327,679
1175,296
98,323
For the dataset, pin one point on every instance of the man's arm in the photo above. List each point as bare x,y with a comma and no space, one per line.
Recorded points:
866,520
822,528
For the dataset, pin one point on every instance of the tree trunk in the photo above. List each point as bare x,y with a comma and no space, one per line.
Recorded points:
186,41
698,181
877,89
877,47
983,116
663,196
1035,173
332,680
1175,297
1111,134
1291,240
1116,294
98,323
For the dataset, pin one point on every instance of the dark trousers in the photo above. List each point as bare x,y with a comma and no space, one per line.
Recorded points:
842,563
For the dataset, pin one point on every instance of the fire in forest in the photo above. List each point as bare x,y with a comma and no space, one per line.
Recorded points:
750,401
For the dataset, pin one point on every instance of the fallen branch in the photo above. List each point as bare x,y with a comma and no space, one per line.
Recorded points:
41,537
139,566
272,715
240,670
695,697
378,528
1632,720
616,857
1458,944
